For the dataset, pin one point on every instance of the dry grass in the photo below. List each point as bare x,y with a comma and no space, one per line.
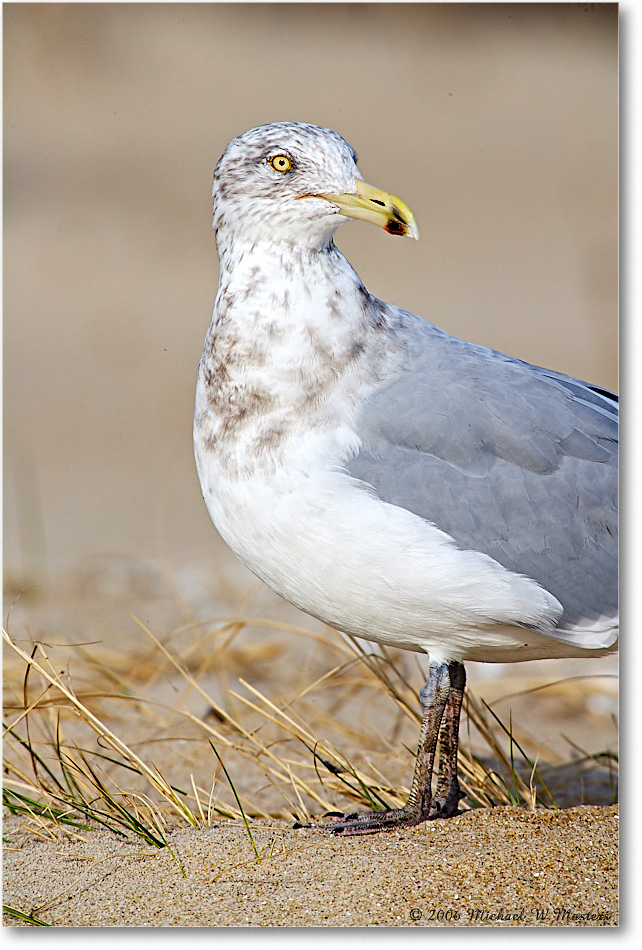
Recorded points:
141,742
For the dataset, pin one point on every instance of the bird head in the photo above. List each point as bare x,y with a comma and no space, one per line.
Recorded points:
294,183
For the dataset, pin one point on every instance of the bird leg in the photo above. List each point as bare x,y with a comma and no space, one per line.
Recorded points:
448,794
441,699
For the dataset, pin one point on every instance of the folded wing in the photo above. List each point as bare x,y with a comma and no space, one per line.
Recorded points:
509,459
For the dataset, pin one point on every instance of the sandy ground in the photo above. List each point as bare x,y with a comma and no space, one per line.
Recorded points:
498,125
504,859
503,867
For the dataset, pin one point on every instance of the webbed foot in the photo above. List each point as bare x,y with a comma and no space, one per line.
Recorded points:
364,823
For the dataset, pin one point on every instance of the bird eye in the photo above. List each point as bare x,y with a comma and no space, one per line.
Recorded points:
281,163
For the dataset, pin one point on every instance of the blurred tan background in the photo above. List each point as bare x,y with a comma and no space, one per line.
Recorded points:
496,123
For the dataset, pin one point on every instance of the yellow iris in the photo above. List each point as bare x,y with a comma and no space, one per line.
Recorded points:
281,163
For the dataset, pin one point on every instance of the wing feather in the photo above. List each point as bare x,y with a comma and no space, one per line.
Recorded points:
508,458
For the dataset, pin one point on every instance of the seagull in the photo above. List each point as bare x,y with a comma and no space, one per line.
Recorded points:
396,482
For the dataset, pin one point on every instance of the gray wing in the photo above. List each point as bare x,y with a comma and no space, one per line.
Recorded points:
509,459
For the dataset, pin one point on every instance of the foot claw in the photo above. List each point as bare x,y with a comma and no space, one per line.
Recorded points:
447,807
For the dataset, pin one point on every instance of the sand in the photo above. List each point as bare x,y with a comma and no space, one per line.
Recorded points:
498,867
504,860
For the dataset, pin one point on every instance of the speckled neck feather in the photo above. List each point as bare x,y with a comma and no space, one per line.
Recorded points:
293,338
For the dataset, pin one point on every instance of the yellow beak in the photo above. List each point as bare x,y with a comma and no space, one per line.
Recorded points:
372,204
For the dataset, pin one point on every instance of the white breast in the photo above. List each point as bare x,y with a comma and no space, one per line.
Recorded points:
325,543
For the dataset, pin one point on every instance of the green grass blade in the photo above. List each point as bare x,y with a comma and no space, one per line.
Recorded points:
12,912
238,802
526,758
29,806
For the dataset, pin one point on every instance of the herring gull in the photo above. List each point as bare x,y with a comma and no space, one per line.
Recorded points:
396,482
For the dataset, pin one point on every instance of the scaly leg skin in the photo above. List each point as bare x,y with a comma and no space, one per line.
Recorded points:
448,794
444,680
